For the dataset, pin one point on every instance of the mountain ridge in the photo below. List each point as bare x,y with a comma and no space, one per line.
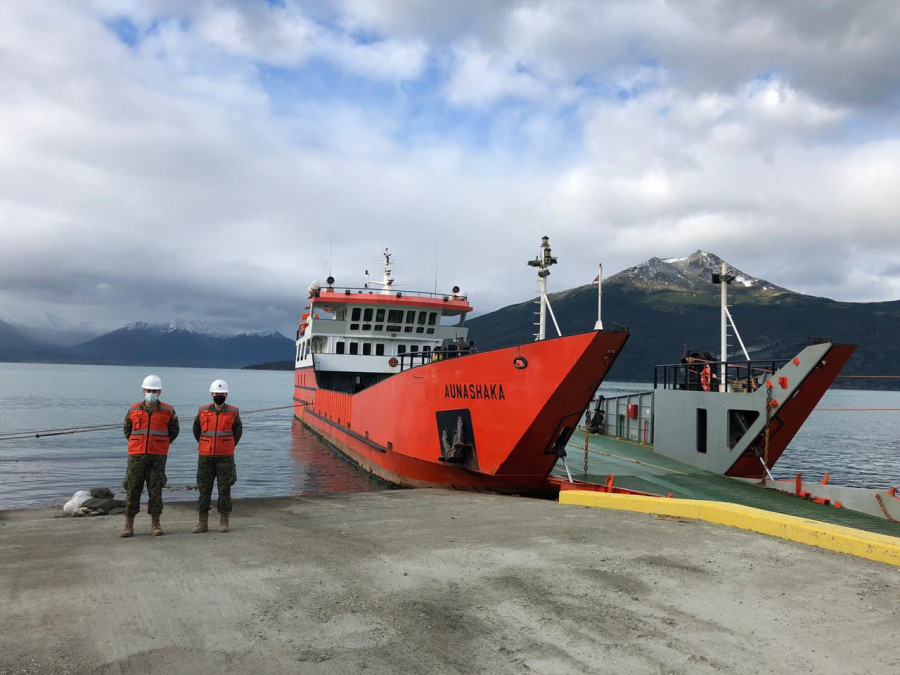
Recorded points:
175,343
674,308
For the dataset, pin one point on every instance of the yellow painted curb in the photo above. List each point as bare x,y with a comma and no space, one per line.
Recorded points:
870,545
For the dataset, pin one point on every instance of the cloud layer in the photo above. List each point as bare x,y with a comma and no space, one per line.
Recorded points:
206,160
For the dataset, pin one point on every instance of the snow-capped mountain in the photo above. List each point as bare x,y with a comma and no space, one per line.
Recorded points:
183,343
691,273
194,327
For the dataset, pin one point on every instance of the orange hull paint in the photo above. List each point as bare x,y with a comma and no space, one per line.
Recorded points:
516,418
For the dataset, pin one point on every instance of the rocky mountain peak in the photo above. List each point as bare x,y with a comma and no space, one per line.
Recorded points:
690,273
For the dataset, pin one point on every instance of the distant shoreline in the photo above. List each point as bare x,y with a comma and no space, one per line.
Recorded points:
271,365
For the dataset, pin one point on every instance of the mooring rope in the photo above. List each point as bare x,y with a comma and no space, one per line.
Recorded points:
872,377
41,433
859,409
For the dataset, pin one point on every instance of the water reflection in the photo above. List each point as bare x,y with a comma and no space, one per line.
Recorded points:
317,469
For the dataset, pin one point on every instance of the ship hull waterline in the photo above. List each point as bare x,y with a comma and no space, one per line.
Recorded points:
513,409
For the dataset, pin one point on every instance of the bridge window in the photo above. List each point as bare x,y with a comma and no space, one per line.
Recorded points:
430,331
367,348
379,327
432,318
395,315
379,349
367,326
354,326
367,314
401,349
354,348
422,316
414,348
379,315
354,315
393,328
420,329
339,347
407,329
410,316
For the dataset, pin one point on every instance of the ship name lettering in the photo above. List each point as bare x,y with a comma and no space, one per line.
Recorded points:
483,392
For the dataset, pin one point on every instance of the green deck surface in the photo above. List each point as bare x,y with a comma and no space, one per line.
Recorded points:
637,467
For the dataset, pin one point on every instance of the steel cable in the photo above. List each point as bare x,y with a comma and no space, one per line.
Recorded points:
40,433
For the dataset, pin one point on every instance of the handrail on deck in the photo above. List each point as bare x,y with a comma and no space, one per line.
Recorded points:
415,359
742,376
350,290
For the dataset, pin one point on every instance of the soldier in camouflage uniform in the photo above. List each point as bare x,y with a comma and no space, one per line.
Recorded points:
150,427
218,429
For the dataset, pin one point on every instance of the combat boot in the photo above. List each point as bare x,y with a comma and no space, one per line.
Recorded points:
128,530
203,524
155,528
223,522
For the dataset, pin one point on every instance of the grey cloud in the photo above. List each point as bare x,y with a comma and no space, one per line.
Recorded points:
156,183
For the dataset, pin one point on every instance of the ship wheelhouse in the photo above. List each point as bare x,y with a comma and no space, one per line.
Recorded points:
354,338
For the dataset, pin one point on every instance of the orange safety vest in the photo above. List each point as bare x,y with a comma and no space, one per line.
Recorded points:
150,430
216,435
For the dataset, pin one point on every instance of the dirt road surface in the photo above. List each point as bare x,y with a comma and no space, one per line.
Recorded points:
422,581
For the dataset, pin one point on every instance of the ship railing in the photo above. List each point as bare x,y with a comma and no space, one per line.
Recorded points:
740,376
415,359
349,290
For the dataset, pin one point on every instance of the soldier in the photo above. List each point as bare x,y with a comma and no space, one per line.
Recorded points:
150,426
218,429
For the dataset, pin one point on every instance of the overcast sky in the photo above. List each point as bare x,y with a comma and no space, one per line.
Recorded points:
201,160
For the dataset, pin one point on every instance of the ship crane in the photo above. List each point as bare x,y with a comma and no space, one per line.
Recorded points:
543,262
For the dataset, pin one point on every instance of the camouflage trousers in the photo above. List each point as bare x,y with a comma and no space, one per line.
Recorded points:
149,469
210,470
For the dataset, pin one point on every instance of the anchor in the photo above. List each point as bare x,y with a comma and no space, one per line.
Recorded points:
457,451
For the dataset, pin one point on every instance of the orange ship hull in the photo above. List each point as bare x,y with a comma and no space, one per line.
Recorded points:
495,420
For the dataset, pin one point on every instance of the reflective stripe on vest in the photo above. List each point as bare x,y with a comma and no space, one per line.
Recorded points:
216,435
150,429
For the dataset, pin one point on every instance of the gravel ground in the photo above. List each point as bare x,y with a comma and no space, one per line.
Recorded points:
422,581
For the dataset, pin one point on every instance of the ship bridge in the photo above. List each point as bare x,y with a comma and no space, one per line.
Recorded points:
355,337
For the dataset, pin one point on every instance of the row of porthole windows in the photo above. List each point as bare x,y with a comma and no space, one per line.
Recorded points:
353,347
392,320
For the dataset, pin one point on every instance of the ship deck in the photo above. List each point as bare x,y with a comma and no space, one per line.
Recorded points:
637,467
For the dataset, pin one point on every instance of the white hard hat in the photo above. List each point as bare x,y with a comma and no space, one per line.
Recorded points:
152,382
218,387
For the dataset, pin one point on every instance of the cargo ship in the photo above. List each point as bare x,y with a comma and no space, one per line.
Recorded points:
390,380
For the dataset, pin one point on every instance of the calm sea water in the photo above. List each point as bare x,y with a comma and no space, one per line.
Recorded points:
277,456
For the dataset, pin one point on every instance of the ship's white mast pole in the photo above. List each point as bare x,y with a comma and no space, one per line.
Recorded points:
543,262
723,351
387,280
599,324
542,329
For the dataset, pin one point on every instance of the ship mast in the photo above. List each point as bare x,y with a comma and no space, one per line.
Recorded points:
387,280
543,262
723,278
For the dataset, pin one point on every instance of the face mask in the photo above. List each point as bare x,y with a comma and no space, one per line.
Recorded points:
151,398
219,399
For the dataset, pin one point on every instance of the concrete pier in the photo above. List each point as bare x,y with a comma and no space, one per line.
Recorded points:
416,581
